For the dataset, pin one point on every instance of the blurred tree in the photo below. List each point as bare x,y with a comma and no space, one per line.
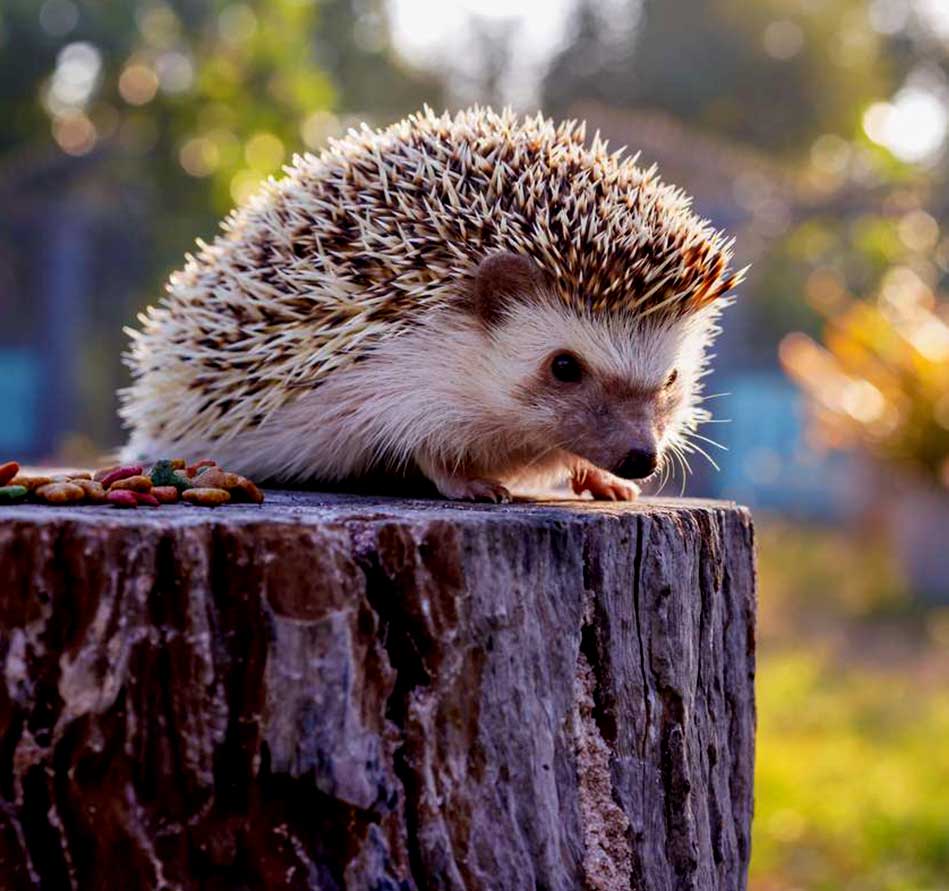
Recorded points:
354,46
146,121
773,74
852,97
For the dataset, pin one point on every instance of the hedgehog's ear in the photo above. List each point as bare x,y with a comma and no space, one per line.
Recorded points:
501,278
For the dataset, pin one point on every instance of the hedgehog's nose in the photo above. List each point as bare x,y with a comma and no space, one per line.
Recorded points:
636,465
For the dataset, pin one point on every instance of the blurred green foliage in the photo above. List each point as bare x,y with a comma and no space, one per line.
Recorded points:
852,771
845,100
206,95
149,120
767,73
852,777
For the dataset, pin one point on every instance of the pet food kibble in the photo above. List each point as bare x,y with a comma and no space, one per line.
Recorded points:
12,494
32,483
120,473
163,473
206,497
215,478
122,498
95,494
245,490
137,483
167,481
60,493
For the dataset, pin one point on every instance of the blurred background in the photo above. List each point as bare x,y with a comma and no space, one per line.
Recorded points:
815,130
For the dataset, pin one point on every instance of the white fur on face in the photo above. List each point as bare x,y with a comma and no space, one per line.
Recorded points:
628,353
642,354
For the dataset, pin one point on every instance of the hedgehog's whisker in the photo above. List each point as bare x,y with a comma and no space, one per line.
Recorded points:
680,449
694,434
693,447
685,476
663,468
681,463
668,471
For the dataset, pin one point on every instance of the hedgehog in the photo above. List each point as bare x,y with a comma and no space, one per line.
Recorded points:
483,301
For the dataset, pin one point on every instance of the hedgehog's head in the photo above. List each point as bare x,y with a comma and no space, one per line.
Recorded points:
613,388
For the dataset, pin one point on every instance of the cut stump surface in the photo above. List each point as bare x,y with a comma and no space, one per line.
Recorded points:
344,692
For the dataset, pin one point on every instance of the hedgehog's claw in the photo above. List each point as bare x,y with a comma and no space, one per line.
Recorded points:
460,489
603,486
484,490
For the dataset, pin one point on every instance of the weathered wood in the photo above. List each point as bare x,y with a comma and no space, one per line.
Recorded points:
337,692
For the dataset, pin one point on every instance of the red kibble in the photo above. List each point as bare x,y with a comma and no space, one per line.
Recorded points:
8,471
204,462
120,473
145,498
165,494
122,498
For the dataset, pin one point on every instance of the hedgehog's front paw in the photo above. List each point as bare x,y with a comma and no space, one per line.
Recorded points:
473,490
460,487
603,485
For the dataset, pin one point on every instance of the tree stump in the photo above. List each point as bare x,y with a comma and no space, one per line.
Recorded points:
343,692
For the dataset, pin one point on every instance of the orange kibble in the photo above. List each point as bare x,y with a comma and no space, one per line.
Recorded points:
215,478
137,483
206,497
245,490
60,493
31,482
95,493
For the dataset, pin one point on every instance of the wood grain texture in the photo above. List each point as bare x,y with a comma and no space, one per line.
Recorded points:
341,692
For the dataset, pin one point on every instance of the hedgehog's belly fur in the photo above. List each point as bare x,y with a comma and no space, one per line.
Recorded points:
414,403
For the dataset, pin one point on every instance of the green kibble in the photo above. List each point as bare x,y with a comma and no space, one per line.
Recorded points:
12,494
163,473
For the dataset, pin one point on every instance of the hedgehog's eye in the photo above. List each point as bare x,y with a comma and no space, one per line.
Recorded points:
673,377
566,368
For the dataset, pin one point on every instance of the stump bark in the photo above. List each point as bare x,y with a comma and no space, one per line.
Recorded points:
335,692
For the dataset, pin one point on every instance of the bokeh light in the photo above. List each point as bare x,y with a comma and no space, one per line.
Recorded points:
237,23
783,39
912,126
74,133
200,156
75,78
264,151
175,72
58,17
138,83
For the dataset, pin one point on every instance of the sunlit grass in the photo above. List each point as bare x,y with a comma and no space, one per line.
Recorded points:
852,785
852,781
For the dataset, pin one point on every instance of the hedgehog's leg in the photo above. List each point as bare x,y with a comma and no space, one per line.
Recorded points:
459,487
601,484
